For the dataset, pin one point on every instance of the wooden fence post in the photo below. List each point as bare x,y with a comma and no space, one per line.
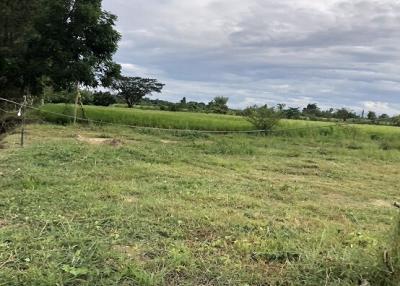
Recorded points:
77,99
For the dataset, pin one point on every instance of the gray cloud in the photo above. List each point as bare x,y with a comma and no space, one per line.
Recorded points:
333,52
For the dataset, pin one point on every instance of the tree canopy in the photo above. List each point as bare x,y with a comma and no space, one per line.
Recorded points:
16,31
133,89
77,41
60,42
219,105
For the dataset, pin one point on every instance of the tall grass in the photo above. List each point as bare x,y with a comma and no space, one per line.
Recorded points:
389,137
148,118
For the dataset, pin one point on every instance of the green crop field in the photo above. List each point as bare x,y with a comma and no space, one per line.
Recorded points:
108,205
148,118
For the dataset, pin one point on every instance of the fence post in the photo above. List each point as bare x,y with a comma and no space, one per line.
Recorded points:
77,99
23,111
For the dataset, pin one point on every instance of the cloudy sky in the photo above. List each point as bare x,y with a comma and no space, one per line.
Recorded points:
332,52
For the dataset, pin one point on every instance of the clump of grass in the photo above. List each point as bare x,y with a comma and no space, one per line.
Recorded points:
394,264
390,145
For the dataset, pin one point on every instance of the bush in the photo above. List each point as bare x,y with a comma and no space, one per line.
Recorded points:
396,120
67,96
219,105
103,99
263,118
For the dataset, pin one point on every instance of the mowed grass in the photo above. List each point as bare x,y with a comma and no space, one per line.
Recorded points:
91,205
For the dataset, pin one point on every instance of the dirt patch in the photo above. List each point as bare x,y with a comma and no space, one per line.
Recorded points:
169,142
100,141
3,223
132,251
128,250
130,199
338,200
381,203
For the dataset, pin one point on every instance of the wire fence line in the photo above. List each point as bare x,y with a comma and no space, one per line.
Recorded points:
174,129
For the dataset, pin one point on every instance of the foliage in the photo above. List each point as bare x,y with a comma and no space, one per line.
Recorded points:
103,98
396,120
133,89
344,114
55,42
18,70
264,117
219,105
66,96
292,113
76,43
371,115
312,110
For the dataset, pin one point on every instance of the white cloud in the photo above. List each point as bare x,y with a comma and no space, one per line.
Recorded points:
333,52
380,107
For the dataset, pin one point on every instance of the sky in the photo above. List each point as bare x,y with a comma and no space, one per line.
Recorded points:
336,53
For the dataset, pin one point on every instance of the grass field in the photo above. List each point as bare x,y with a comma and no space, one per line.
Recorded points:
148,118
112,206
192,121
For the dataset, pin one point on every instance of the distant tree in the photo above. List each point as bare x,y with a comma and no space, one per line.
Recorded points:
384,116
281,106
396,120
312,110
343,114
263,118
219,105
133,89
196,106
371,115
87,96
292,113
328,113
182,104
103,98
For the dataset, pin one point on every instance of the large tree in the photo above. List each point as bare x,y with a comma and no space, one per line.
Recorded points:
76,43
133,89
17,70
64,43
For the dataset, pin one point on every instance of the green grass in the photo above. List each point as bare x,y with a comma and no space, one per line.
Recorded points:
201,121
151,208
149,118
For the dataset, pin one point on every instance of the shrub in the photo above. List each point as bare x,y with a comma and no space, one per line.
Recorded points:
103,99
263,118
219,105
396,120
